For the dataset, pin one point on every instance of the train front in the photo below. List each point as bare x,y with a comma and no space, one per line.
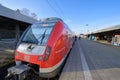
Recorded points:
32,49
33,43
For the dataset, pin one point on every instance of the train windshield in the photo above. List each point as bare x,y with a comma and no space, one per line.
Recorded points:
38,33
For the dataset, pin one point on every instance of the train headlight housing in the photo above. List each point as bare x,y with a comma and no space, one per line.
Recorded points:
47,53
40,58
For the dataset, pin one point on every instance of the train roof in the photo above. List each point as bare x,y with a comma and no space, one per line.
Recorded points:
52,19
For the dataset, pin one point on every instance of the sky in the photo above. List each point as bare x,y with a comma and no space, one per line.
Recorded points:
82,16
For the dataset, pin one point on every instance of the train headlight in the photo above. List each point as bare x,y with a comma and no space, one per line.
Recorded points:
47,53
39,58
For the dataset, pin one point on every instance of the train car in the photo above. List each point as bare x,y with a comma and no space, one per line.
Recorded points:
43,47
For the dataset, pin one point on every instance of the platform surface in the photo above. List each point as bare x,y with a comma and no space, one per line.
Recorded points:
89,60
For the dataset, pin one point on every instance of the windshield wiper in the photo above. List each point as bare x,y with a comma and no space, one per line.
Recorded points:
43,36
26,41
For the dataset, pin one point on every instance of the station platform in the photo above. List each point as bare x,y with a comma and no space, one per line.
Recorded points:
73,66
89,60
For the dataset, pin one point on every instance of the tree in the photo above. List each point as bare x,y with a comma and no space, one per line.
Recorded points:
18,10
34,15
25,11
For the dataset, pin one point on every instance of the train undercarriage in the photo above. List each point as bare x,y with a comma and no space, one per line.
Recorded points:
25,72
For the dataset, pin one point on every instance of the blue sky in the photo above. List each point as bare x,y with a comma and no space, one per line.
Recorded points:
98,14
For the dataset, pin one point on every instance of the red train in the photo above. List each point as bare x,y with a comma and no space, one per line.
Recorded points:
43,47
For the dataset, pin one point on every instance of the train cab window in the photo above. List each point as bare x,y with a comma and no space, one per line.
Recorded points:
38,33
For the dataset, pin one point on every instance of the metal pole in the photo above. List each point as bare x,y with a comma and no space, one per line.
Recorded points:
17,32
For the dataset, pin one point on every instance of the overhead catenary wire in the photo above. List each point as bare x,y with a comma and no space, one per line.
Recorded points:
59,8
53,8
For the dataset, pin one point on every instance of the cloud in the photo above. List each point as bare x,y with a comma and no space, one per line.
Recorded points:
67,21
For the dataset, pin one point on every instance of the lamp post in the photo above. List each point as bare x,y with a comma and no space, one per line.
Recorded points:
87,31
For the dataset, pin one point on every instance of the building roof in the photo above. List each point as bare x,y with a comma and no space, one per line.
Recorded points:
8,13
116,27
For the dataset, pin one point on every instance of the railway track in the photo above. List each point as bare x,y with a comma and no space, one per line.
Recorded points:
3,70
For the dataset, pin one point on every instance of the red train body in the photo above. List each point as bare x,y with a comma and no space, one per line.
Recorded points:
45,44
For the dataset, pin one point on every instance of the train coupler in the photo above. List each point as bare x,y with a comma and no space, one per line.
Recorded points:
18,72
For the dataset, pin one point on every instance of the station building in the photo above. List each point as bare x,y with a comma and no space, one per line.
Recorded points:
12,24
111,35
